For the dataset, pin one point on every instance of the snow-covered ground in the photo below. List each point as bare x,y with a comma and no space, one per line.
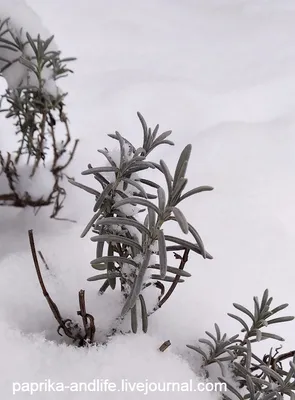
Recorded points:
221,75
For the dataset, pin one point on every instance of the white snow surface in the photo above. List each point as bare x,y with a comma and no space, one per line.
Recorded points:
221,75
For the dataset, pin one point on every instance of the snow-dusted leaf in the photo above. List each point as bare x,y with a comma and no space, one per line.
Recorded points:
117,239
138,186
122,221
135,201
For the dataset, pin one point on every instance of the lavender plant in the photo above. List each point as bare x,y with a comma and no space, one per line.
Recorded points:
258,378
37,106
132,247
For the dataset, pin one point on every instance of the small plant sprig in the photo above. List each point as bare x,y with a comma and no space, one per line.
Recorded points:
37,106
126,247
261,378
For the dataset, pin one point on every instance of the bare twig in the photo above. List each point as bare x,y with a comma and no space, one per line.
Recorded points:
163,300
69,328
88,320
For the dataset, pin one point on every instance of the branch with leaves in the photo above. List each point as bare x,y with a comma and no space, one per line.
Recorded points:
263,378
127,243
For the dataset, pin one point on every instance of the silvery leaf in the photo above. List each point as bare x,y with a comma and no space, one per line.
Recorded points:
144,315
90,223
86,188
134,319
161,199
173,270
122,221
102,276
182,164
117,239
162,253
99,169
182,222
136,289
195,191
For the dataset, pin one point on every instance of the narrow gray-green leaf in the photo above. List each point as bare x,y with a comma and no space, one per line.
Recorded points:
108,157
103,196
195,191
173,270
279,320
99,169
161,199
184,157
102,276
240,320
180,218
162,137
134,319
123,221
144,314
144,128
208,343
244,310
162,253
186,244
166,279
198,350
264,299
136,185
267,335
218,333
117,239
90,223
137,286
149,183
86,188
231,388
167,175
117,259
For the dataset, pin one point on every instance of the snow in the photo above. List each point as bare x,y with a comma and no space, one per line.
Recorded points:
220,74
22,19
